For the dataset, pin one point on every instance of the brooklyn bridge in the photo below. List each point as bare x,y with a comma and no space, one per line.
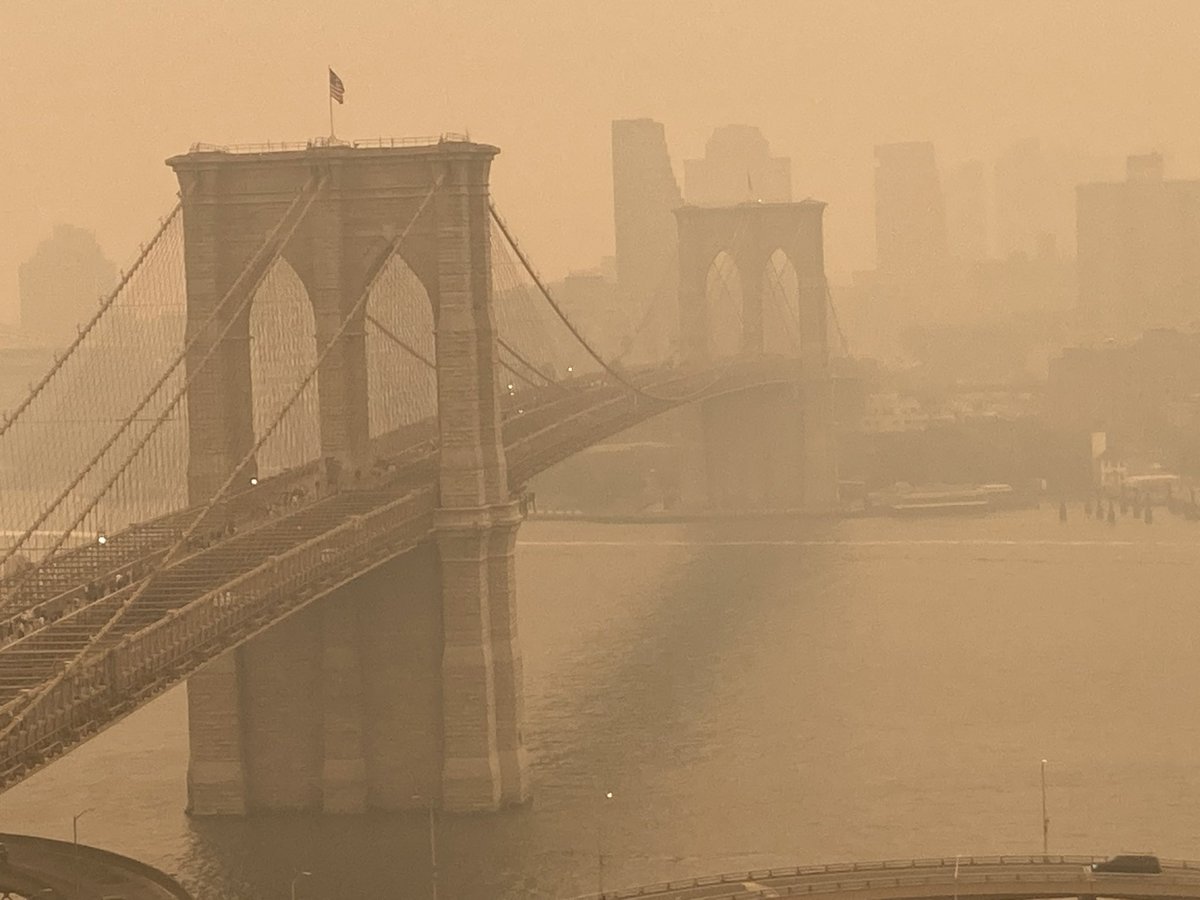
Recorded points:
285,462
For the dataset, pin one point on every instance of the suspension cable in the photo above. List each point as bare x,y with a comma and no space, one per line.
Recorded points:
558,311
256,262
505,345
837,322
653,306
212,502
401,343
106,303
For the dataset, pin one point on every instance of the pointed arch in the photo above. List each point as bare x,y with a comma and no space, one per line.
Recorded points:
401,382
283,350
723,300
781,306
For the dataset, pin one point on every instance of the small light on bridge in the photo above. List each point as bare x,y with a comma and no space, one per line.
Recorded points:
570,369
253,481
510,387
101,540
608,795
520,411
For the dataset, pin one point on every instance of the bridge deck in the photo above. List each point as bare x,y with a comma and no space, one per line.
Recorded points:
271,550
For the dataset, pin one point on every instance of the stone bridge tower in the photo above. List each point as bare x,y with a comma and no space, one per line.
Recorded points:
776,449
403,687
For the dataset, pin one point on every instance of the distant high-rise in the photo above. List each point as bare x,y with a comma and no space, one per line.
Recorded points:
966,212
1025,195
1139,247
645,193
910,215
737,167
61,284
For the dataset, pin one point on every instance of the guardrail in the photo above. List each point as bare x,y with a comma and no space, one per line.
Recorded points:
964,864
142,664
118,678
324,143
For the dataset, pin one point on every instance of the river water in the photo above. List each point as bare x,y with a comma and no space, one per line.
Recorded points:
756,693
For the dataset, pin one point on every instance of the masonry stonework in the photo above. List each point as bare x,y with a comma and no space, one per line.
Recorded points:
390,692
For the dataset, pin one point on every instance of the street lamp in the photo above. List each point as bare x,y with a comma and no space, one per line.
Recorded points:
608,795
75,843
433,876
299,875
1045,818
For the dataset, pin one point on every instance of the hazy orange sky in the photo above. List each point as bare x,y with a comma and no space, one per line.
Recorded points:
95,95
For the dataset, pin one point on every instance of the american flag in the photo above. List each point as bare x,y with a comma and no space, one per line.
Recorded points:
337,90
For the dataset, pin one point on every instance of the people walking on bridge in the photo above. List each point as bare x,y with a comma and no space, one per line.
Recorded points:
1062,510
1112,513
333,472
1149,517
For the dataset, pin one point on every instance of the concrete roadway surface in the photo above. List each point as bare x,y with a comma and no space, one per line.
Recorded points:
50,870
991,877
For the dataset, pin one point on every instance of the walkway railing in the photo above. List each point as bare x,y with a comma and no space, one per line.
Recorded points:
322,143
171,634
940,873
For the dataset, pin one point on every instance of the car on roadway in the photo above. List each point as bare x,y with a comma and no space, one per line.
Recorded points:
1126,864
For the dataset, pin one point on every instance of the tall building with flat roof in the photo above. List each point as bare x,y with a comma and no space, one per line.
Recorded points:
645,195
910,215
1139,247
737,168
61,284
966,212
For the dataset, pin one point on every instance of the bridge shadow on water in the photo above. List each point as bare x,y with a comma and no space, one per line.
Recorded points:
622,673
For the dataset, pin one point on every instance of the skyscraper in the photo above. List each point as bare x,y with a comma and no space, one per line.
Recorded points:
966,212
910,215
1025,194
737,168
645,193
61,284
1139,247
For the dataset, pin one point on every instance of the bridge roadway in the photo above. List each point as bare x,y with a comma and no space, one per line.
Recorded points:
57,870
272,550
990,877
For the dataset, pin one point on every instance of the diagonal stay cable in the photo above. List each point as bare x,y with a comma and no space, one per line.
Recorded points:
118,613
558,311
505,345
656,303
422,358
790,318
400,342
60,359
836,321
269,247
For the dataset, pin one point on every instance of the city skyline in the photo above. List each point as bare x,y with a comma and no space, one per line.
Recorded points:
124,115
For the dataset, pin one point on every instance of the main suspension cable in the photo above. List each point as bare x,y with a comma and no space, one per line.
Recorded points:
616,374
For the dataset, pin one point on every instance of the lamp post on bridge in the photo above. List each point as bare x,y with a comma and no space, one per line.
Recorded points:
608,795
433,871
1045,817
303,873
75,844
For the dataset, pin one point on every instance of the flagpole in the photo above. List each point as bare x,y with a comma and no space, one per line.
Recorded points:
329,90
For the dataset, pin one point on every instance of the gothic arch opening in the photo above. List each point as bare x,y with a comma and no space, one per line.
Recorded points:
401,379
723,299
781,306
283,350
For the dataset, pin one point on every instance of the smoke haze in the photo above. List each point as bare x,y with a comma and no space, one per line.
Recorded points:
95,95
